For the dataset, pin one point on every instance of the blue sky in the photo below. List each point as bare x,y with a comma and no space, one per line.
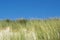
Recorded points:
13,9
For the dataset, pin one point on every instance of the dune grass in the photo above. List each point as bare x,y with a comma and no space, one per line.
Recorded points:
30,29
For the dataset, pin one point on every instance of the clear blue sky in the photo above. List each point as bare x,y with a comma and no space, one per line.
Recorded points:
29,8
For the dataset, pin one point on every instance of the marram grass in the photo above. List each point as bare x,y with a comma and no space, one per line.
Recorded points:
30,29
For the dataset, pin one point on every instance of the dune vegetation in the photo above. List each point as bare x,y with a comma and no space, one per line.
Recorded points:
32,29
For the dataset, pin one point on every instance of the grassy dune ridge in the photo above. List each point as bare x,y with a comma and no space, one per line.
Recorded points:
34,29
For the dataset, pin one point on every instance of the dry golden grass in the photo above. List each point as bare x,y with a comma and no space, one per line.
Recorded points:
30,29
